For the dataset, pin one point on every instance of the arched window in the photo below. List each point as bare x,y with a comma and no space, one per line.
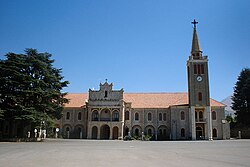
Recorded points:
182,132
164,117
160,116
195,69
214,132
95,116
79,116
182,115
106,93
116,116
213,115
136,117
200,96
68,115
149,117
127,115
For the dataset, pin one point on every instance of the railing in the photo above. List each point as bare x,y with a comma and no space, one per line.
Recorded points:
200,120
106,119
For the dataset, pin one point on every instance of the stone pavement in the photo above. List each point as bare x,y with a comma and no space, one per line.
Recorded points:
90,153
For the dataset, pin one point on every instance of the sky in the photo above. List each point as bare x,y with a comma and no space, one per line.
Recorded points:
138,45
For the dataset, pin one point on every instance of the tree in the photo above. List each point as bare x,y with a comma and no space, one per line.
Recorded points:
30,89
241,98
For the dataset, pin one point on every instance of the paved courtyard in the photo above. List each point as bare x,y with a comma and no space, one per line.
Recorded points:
91,153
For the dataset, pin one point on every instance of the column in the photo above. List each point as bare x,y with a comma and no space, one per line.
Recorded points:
193,124
209,123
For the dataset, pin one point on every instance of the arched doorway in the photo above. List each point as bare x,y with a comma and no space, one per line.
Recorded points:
115,132
199,133
105,132
163,133
94,132
126,131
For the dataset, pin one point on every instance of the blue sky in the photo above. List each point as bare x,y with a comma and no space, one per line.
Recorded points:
139,45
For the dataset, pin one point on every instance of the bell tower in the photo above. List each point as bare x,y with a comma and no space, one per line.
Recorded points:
198,91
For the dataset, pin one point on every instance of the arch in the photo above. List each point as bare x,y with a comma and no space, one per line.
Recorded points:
79,116
182,115
67,129
115,132
199,133
183,133
94,132
115,116
95,115
105,115
78,132
163,133
105,132
149,116
150,130
127,115
136,131
214,115
215,133
136,116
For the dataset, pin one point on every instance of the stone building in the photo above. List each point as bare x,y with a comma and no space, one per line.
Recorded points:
113,114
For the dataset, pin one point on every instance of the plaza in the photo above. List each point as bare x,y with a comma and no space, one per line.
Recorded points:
113,153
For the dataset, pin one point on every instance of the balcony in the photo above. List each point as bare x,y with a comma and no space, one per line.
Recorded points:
200,120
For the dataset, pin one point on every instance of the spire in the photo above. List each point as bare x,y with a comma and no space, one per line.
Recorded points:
196,49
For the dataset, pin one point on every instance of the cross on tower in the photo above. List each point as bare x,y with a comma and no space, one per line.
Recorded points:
194,23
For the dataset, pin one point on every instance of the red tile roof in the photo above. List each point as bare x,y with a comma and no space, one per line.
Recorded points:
142,100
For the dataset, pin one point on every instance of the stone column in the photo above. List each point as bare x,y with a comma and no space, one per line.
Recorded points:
209,123
193,123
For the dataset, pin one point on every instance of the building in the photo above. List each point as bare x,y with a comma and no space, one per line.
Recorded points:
113,114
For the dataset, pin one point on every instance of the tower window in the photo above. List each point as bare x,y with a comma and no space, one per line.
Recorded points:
182,115
195,69
202,69
106,93
160,117
200,96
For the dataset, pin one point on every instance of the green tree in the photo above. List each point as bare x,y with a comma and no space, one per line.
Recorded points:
30,89
241,98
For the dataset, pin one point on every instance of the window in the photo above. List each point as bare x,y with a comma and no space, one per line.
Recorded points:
149,117
127,115
198,68
68,115
214,132
164,117
160,117
79,116
106,93
195,69
200,115
115,116
182,132
95,116
136,117
182,115
200,96
213,115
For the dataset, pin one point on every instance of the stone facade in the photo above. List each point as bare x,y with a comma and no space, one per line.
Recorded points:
113,114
